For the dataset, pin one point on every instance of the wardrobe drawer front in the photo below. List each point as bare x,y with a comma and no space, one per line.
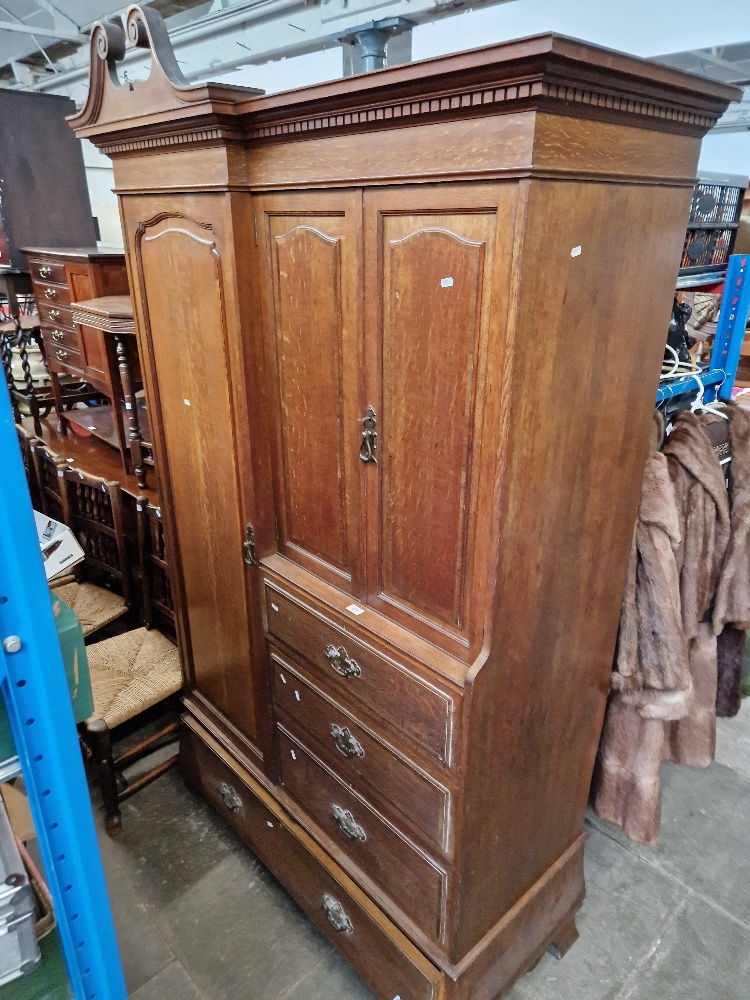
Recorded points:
377,949
361,759
43,271
57,336
51,294
55,315
414,883
356,672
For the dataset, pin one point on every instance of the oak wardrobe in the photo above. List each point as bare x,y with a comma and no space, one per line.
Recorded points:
379,319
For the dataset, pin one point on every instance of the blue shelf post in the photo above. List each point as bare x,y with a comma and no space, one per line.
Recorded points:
730,330
32,679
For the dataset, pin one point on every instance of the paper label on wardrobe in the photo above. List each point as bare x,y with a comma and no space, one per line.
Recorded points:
446,282
355,609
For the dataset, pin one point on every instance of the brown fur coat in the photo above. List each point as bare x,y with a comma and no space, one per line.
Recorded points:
703,512
651,683
665,681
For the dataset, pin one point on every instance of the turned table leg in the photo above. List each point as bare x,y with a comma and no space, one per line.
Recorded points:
135,438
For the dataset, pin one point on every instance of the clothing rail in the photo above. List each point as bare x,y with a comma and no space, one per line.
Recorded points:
719,377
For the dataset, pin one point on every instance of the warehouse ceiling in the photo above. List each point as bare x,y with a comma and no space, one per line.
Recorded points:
44,43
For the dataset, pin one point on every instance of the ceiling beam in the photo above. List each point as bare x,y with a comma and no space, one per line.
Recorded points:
64,34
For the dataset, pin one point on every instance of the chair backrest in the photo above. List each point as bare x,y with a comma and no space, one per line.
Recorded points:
158,606
50,469
25,441
94,508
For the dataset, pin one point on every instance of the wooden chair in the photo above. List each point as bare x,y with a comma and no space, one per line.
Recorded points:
49,473
102,590
25,441
133,672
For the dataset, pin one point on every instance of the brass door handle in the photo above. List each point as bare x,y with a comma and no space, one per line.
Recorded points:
231,799
58,335
50,293
346,744
336,916
45,272
341,662
61,355
369,436
54,315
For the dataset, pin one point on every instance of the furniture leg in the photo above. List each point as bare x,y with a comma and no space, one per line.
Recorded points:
57,395
564,939
135,438
6,354
29,393
100,741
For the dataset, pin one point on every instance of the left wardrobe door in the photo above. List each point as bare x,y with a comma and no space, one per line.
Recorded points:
185,292
311,252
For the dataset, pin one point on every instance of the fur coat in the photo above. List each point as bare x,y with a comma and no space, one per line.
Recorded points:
731,613
651,685
704,525
664,688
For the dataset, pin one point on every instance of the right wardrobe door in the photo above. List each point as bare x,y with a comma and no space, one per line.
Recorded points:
437,280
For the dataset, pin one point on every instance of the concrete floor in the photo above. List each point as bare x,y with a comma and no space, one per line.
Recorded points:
198,918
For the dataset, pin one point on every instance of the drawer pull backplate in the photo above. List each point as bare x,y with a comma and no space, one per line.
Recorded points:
336,916
342,662
346,744
231,799
348,825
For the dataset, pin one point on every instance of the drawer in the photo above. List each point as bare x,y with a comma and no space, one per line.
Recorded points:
361,758
55,315
57,336
43,271
408,877
53,294
356,672
377,949
65,358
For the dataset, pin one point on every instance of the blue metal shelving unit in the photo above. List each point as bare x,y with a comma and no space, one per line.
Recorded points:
725,355
33,684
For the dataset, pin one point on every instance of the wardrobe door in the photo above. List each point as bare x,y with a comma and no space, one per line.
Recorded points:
311,251
437,292
185,298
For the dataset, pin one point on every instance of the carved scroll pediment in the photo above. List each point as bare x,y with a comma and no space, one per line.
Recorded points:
112,101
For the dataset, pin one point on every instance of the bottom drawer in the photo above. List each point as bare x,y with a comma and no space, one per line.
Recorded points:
390,964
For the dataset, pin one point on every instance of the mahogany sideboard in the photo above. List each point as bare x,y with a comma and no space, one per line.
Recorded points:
400,548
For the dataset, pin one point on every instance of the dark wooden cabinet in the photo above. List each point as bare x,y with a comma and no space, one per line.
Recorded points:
401,414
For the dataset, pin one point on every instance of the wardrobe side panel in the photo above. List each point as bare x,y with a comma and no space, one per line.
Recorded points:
182,270
597,272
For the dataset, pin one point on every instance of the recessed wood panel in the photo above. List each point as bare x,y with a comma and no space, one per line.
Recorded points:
312,260
431,275
186,329
307,290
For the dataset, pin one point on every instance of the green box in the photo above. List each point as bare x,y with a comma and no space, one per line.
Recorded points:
70,636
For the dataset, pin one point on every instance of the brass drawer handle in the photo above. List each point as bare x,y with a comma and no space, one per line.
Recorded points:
45,272
336,916
50,293
54,315
61,355
346,744
231,799
341,662
58,335
347,824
